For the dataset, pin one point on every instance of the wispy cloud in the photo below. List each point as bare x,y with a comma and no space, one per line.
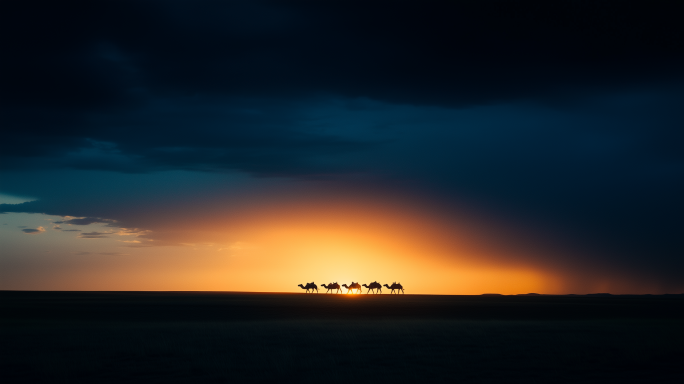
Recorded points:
85,221
58,228
94,235
237,246
131,232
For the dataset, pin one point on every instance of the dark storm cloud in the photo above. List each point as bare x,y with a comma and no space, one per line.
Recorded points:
125,86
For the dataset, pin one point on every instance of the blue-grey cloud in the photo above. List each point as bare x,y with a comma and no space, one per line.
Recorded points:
58,228
33,231
93,235
84,221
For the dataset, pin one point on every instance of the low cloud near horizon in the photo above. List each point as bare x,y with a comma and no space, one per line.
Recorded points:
33,231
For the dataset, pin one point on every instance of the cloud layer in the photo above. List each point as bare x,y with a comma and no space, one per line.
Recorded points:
158,86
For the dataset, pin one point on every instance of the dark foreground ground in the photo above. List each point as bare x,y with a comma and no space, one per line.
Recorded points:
173,337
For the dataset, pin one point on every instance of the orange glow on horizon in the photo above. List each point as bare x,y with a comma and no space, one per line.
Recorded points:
273,247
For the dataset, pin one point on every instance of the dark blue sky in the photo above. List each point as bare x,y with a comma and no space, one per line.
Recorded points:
564,118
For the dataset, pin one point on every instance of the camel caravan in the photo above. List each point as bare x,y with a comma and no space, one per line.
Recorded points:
373,287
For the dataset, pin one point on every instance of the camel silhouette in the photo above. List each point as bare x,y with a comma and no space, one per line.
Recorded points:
332,286
394,287
353,286
313,286
309,286
374,286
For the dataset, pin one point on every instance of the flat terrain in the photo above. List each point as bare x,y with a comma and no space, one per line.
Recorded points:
173,337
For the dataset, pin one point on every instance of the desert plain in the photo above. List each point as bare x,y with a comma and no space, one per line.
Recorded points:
237,337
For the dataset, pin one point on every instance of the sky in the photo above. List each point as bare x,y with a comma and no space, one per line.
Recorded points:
455,147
